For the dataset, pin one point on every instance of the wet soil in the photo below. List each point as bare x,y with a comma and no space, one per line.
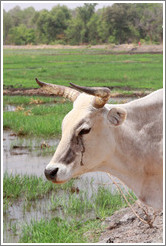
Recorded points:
39,92
124,227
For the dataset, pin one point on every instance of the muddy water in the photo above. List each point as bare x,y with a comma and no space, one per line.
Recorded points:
23,155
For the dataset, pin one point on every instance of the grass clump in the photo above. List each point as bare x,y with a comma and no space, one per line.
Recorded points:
27,187
72,204
106,203
57,230
40,120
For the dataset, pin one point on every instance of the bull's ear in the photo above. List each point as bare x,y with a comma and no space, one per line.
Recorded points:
116,116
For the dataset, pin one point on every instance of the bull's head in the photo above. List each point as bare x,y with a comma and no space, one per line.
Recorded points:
87,143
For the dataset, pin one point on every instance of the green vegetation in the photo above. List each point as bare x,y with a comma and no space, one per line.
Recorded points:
29,100
79,217
29,187
117,23
60,231
38,120
83,67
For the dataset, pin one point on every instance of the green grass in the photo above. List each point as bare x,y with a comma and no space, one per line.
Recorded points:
27,187
78,217
29,100
59,231
84,67
37,120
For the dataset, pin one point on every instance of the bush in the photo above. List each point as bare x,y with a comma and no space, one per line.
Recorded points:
21,35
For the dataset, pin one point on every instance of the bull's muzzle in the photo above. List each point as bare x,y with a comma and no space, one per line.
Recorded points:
51,173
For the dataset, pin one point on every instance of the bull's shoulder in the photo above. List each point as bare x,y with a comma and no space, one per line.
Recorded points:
155,98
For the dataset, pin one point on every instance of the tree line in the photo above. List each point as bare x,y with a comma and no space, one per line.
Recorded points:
118,23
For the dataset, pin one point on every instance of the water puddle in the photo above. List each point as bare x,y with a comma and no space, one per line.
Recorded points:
9,107
24,212
26,155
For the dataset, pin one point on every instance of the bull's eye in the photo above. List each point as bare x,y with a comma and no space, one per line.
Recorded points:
84,131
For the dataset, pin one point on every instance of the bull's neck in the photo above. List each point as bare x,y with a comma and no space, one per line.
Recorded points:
122,163
130,161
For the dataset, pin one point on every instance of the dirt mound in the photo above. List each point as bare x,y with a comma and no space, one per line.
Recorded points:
124,227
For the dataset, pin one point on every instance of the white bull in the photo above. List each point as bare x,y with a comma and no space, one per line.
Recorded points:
124,140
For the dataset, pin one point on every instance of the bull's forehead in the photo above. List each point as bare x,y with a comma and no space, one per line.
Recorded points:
83,101
82,112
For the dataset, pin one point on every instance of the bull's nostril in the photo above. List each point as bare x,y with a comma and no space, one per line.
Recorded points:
53,172
50,174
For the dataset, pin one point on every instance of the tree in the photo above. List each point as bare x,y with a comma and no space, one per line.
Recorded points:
28,14
7,25
52,25
17,15
118,23
21,35
75,32
92,25
150,21
78,26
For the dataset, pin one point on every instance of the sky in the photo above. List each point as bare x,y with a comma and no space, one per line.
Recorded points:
38,5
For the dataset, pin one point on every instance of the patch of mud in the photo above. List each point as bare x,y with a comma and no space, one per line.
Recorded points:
124,227
39,92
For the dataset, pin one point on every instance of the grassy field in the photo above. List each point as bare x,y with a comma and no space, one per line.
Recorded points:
88,67
71,224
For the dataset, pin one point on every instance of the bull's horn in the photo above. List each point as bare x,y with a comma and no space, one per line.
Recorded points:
101,94
59,90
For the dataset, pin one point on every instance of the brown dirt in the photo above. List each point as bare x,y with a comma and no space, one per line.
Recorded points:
40,92
128,48
124,227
